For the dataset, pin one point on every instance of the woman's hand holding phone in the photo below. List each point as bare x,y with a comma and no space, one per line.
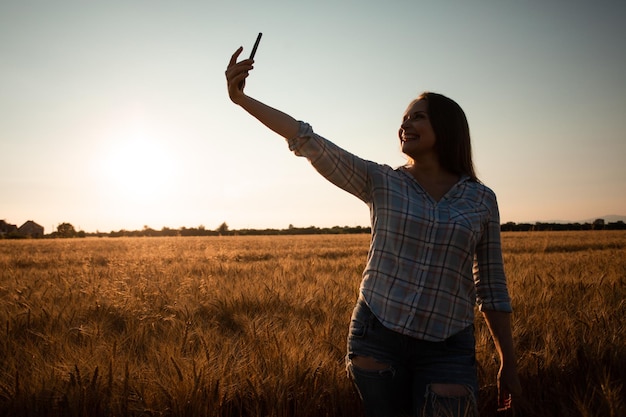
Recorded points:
237,72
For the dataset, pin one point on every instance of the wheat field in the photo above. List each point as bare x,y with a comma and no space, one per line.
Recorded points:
256,326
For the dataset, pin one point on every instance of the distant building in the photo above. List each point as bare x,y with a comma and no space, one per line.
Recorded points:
6,228
30,228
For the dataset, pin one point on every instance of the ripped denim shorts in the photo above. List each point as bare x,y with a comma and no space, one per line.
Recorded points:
403,387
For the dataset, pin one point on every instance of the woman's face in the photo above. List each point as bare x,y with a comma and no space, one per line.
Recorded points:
417,136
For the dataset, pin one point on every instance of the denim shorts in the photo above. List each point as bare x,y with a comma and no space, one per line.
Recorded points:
403,388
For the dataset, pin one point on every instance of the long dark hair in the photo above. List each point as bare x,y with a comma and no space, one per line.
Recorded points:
453,144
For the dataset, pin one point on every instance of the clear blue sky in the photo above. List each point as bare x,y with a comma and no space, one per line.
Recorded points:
114,115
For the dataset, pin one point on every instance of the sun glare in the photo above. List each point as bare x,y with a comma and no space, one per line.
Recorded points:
137,166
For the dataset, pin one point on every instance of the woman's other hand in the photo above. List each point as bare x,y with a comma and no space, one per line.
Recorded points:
509,387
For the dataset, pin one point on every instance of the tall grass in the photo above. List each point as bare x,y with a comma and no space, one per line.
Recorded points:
256,326
569,295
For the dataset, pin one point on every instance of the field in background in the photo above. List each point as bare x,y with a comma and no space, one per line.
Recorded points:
256,326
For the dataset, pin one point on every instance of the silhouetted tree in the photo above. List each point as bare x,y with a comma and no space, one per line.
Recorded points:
222,229
66,230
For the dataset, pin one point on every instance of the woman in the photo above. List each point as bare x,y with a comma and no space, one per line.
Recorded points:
435,252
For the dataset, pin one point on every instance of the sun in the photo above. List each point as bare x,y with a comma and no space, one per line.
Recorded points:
137,165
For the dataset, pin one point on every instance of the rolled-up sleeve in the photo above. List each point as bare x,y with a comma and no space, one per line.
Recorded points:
304,133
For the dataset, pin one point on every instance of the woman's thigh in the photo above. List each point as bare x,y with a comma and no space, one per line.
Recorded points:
444,375
374,364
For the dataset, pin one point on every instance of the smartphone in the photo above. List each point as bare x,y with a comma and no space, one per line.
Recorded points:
256,45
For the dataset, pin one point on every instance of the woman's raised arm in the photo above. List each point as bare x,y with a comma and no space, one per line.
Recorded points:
236,74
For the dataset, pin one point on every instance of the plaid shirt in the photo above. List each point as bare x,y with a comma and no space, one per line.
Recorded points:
429,262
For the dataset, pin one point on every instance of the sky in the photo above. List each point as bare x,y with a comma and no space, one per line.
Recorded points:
114,115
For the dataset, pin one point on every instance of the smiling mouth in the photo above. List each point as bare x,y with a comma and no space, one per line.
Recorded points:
409,138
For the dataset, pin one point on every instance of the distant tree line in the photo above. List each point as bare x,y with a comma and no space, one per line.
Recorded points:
598,224
67,230
225,230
